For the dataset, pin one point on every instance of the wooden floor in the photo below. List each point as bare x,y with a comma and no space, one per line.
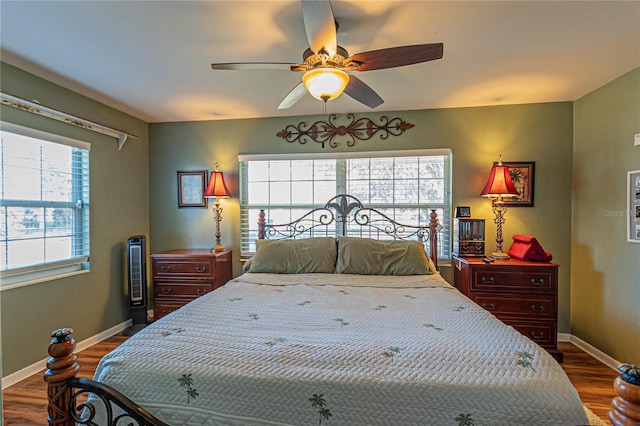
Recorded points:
592,379
25,403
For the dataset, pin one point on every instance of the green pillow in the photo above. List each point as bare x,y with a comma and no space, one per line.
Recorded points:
304,256
365,256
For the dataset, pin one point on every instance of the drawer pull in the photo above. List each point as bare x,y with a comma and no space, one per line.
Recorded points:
537,336
535,308
538,282
201,269
491,307
486,280
166,269
201,291
167,290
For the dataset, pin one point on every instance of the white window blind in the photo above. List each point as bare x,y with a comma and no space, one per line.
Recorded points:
44,215
405,185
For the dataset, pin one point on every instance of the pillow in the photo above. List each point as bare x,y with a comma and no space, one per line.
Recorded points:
365,256
304,256
247,265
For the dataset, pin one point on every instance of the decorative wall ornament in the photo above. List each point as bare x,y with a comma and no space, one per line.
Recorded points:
329,131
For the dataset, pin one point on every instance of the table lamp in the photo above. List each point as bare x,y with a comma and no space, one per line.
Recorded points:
217,189
498,187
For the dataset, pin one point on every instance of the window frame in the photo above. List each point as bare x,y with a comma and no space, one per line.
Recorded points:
73,265
445,207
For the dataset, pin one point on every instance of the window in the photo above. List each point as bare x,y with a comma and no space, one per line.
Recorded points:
44,215
405,185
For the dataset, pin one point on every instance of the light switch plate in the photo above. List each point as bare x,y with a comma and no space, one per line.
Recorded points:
636,139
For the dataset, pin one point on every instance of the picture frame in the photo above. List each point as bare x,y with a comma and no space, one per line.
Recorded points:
633,206
463,211
523,177
191,187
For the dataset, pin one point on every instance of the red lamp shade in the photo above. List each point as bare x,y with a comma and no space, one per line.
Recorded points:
217,188
499,183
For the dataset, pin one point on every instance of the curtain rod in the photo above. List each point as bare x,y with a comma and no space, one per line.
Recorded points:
50,112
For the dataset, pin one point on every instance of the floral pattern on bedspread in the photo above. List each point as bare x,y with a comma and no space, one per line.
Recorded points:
387,350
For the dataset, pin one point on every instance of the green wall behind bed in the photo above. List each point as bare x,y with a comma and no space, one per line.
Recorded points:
541,133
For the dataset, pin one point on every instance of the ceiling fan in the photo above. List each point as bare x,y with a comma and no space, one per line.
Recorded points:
326,63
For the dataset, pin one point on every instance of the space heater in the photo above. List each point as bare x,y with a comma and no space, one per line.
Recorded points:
137,279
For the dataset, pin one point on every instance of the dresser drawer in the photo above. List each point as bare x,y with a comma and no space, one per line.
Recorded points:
161,309
543,334
181,289
520,306
471,248
195,269
539,280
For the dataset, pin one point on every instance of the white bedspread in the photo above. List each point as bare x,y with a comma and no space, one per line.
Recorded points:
381,351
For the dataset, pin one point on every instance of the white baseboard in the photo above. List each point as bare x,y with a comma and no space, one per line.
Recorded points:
594,352
36,367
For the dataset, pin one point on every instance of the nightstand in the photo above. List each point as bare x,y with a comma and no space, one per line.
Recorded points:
180,276
522,294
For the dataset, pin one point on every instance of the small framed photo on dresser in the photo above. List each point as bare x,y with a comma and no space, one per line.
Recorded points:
633,206
463,211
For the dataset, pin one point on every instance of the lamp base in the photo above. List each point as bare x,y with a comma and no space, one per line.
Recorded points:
217,248
500,256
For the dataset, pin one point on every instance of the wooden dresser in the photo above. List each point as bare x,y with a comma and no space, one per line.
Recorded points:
180,276
522,294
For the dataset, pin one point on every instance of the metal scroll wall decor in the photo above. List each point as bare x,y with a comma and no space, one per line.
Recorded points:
328,131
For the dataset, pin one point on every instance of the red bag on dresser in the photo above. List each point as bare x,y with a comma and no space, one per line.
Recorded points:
527,248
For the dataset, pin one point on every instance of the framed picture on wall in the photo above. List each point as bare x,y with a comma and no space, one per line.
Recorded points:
633,206
191,187
522,174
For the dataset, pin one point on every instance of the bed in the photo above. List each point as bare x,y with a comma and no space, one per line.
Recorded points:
353,326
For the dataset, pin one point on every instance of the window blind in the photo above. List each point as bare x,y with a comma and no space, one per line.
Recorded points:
44,215
405,185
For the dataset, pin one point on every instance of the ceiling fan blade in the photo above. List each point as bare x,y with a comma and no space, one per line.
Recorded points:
397,56
320,26
362,93
293,96
252,66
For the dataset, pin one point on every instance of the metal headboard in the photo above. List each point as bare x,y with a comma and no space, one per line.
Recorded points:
345,215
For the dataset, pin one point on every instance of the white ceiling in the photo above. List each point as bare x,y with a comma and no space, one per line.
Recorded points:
152,58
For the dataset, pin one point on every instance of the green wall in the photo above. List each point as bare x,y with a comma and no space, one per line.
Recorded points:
605,268
119,203
539,132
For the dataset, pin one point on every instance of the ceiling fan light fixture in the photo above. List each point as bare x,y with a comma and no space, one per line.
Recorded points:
325,84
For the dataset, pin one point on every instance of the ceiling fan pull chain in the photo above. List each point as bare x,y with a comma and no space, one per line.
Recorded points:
324,110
